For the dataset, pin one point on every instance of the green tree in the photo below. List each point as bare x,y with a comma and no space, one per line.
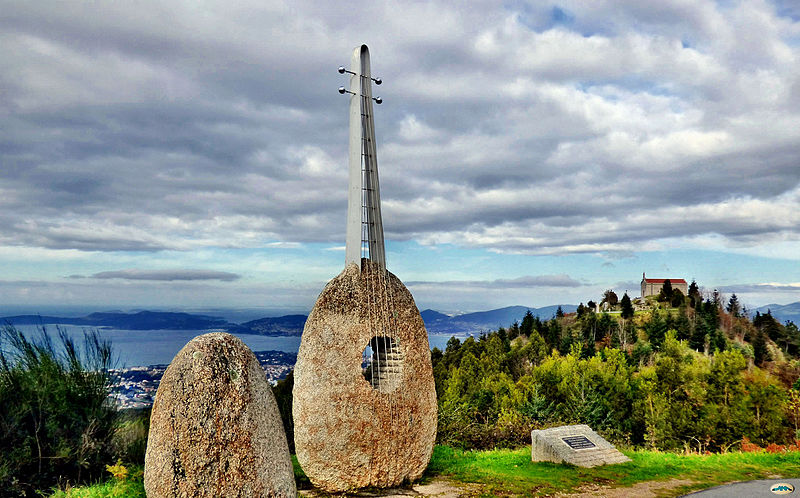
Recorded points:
553,332
610,297
656,329
627,307
677,298
760,351
683,327
666,291
695,298
699,336
734,308
56,423
527,324
283,397
513,331
791,336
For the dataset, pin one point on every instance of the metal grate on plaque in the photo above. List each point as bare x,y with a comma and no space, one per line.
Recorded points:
578,442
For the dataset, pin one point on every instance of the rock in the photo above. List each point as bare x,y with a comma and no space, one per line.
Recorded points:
574,444
351,432
215,429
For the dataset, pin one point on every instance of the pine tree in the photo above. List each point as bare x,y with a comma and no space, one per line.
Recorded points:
527,324
697,341
656,330
683,326
513,331
733,306
677,298
627,307
666,291
694,295
760,351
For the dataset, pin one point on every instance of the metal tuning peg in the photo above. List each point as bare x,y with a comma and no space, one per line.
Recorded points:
377,81
377,100
343,90
342,70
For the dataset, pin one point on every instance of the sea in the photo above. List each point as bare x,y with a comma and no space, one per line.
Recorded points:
157,347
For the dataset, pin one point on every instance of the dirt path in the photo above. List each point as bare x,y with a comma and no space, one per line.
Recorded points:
647,489
438,487
443,488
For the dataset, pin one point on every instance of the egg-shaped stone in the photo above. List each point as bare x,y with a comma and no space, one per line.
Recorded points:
215,429
354,426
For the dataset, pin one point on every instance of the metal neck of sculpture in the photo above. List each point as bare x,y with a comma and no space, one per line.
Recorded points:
364,223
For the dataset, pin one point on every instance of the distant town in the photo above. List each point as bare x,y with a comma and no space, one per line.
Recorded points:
135,387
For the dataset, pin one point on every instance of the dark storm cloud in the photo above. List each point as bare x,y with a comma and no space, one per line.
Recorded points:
162,125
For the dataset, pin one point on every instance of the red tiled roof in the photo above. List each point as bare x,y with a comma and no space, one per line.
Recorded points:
662,280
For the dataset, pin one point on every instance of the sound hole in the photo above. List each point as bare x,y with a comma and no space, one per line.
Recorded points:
382,363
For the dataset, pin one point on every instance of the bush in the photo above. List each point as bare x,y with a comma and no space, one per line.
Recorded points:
129,441
56,423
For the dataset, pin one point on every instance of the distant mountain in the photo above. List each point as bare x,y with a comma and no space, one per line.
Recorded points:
280,325
142,320
485,321
432,315
288,325
783,312
156,320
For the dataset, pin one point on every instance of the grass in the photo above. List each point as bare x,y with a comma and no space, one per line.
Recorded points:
511,472
130,485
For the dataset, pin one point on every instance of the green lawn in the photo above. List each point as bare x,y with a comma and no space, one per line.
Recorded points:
510,472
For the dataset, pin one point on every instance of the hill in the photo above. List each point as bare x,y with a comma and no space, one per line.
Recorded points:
484,321
142,320
287,325
783,312
280,325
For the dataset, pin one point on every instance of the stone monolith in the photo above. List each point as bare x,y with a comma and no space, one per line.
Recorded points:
354,427
215,429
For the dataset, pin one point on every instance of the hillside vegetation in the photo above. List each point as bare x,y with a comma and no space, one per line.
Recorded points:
693,378
687,376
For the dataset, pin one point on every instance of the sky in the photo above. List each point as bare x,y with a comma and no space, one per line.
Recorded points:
189,155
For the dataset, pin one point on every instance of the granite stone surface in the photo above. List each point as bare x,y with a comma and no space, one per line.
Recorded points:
351,432
215,429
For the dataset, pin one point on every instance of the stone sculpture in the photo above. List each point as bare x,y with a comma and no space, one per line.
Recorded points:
364,403
350,431
215,429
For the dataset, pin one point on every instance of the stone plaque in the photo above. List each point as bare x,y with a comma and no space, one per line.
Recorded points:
573,444
578,442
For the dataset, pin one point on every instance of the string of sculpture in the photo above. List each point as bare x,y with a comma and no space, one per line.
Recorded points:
364,398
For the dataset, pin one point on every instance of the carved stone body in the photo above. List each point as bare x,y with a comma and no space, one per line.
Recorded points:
351,432
215,429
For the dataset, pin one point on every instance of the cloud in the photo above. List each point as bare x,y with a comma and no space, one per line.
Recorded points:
167,275
762,287
561,280
608,129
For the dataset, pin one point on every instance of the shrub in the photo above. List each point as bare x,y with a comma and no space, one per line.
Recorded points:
129,441
56,422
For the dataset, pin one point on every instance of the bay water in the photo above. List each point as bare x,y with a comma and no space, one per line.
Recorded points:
157,347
